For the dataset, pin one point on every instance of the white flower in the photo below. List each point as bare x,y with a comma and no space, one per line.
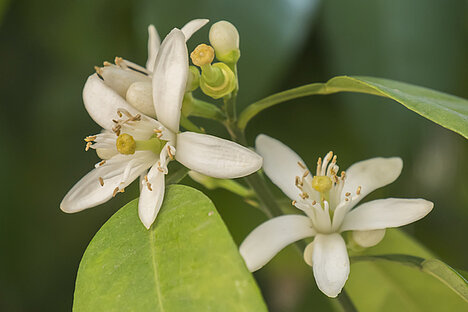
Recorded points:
131,142
327,200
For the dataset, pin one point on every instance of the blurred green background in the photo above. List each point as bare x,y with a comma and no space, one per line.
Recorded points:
48,48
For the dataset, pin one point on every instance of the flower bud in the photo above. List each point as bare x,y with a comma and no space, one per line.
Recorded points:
368,238
224,38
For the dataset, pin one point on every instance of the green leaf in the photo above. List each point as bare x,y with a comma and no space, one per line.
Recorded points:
446,110
187,261
390,286
434,267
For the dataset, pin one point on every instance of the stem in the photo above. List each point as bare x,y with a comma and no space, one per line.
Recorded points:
345,302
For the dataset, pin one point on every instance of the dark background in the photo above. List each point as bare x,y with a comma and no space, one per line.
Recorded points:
48,48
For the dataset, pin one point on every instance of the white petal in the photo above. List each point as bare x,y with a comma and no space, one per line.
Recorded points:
264,242
215,157
153,46
308,252
116,172
370,175
170,78
280,164
330,263
119,79
368,238
193,26
102,102
386,213
151,197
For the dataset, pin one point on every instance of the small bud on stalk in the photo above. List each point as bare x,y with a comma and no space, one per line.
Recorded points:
224,38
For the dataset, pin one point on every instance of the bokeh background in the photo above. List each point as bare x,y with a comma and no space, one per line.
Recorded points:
48,48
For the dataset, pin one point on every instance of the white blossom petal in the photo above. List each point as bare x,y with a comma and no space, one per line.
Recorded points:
117,172
330,263
193,26
264,242
386,213
170,78
140,96
151,196
119,79
215,157
370,175
153,46
280,164
102,102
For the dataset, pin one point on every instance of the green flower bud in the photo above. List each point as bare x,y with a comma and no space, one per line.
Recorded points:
224,38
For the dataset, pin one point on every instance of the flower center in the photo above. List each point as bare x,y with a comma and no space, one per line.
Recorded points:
322,184
127,145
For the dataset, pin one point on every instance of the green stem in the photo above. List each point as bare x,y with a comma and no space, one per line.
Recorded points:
345,302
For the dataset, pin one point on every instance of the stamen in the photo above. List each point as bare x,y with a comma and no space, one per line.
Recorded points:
98,70
171,156
101,181
358,191
306,173
319,166
148,185
293,202
301,165
90,138
116,190
313,203
102,163
120,62
347,194
88,145
146,178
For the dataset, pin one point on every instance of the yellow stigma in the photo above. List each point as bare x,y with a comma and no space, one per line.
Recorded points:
202,55
125,144
322,184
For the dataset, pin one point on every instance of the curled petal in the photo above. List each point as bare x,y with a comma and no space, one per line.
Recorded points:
370,175
170,78
264,242
151,196
99,185
215,157
280,164
330,263
386,213
102,102
193,26
153,46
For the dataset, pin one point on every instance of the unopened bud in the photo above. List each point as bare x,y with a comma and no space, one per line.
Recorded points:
224,38
368,238
140,96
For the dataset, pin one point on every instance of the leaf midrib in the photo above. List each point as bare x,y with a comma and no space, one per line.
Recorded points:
155,269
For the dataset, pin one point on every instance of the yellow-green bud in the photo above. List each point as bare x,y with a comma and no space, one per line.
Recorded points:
224,38
322,184
125,144
218,81
202,55
193,81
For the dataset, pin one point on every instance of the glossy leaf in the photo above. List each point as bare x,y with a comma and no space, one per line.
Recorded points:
446,110
187,261
390,286
434,267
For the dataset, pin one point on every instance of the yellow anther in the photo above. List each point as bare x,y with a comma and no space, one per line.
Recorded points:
125,144
322,184
202,55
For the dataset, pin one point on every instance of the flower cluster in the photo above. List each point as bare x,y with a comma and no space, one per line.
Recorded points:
124,99
139,109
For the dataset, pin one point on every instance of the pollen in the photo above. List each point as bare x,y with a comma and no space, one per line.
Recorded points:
125,144
322,184
202,55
